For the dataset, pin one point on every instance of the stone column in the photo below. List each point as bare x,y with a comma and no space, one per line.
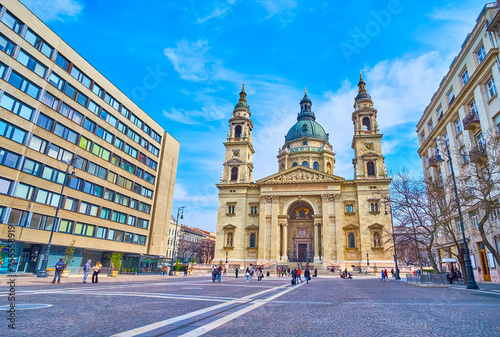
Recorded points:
339,232
262,229
284,257
316,242
326,244
274,229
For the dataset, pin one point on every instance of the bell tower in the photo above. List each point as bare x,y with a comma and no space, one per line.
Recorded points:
368,159
238,161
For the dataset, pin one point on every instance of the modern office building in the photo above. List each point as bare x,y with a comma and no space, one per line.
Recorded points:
465,111
55,107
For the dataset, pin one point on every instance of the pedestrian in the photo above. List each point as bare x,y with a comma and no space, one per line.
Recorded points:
392,272
315,272
345,273
383,276
267,273
86,270
247,273
111,268
294,276
224,271
163,269
185,272
236,271
282,272
59,267
307,275
278,271
97,270
299,273
214,273
289,271
219,273
260,275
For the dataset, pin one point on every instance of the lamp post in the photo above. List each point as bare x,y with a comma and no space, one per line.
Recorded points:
394,241
367,260
180,211
42,272
471,282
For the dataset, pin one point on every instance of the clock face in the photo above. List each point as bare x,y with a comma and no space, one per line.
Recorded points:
236,153
369,146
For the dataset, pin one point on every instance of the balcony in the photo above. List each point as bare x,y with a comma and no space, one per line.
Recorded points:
471,123
478,155
434,161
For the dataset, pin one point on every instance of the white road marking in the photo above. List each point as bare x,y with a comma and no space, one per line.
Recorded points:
157,325
215,324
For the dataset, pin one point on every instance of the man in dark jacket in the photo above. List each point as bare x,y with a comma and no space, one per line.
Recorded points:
294,275
307,275
59,267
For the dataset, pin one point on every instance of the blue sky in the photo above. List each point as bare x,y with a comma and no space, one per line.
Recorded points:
183,62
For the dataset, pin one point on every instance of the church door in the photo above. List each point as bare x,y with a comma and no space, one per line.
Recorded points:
302,251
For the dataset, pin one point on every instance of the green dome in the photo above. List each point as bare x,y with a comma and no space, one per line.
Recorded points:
306,128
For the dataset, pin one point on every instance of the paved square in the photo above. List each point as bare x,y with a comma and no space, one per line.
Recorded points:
156,306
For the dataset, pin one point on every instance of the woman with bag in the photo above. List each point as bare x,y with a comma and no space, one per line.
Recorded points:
97,270
247,273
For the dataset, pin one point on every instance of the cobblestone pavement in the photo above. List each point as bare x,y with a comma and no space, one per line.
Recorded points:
327,306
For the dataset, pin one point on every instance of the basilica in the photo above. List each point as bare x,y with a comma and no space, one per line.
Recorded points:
304,212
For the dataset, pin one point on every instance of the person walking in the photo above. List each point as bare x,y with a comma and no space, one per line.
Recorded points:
383,276
247,273
299,272
236,271
163,269
111,268
97,270
219,273
307,275
185,272
214,273
315,272
86,270
278,271
59,267
260,275
224,271
392,273
294,276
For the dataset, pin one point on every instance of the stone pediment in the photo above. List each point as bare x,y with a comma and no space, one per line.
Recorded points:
300,174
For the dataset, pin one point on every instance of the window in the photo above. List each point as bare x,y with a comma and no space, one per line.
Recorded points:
294,164
458,126
16,107
62,62
37,144
96,170
131,220
130,150
374,207
93,189
119,217
111,101
17,217
93,107
370,168
149,177
84,229
101,232
101,152
431,126
349,208
153,149
9,159
75,183
156,136
53,175
45,122
80,77
71,204
142,223
475,219
31,167
89,125
497,122
377,242
473,108
118,143
237,131
38,43
139,239
56,152
350,240
451,96
12,132
107,136
151,163
50,100
56,81
147,192
128,237
480,140
305,164
422,136
65,133
125,112
72,114
480,54
464,77
234,173
316,165
66,226
134,136
138,122
124,182
12,22
31,63
463,155
143,207
97,90
5,185
252,240
254,209
24,85
47,198
85,143
121,199
491,90
6,45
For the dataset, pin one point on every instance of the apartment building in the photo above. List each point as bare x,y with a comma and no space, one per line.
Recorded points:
63,124
465,111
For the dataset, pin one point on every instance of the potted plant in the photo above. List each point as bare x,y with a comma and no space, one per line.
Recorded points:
191,267
177,267
116,260
68,257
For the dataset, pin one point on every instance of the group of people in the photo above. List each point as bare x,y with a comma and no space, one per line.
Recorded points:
345,274
297,275
60,266
383,273
216,273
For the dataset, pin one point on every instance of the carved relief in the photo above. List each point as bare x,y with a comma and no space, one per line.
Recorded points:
316,200
274,199
299,176
324,197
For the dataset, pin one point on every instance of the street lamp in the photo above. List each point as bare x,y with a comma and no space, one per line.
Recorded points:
180,211
42,272
471,282
367,260
394,241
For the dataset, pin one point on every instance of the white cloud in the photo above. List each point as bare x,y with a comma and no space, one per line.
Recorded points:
220,10
55,10
212,108
281,8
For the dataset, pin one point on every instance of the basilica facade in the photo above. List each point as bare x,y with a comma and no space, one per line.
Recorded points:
304,212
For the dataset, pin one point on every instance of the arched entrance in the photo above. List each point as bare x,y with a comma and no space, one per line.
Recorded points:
300,229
